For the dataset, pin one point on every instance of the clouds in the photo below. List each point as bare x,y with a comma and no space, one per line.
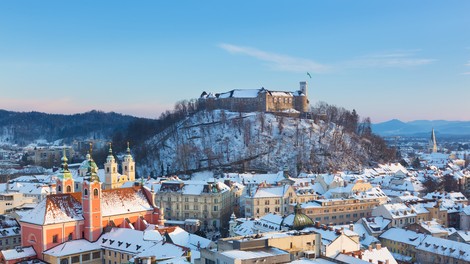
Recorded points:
278,62
398,59
281,62
467,68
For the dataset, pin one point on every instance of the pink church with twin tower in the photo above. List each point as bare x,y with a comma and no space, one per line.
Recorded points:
70,215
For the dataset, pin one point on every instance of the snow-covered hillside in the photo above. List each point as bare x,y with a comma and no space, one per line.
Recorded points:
252,141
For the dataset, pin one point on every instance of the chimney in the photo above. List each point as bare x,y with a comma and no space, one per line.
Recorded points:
351,227
378,246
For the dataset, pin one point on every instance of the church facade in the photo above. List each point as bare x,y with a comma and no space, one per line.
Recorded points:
70,215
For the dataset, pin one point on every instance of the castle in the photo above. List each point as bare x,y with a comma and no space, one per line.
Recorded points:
261,100
71,215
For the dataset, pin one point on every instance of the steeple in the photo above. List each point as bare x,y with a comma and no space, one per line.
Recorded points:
433,142
128,165
110,171
91,200
65,182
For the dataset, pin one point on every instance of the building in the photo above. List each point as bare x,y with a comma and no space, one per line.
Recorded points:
432,143
69,215
275,199
442,251
260,100
340,211
401,242
399,214
209,202
276,247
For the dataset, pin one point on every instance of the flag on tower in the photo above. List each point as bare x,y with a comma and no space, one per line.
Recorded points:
309,75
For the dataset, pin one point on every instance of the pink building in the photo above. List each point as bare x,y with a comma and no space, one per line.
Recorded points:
70,215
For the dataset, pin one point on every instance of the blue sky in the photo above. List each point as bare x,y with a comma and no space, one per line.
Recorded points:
386,59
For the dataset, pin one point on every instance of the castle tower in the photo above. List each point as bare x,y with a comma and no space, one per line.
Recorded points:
91,204
433,142
303,87
65,182
110,171
128,165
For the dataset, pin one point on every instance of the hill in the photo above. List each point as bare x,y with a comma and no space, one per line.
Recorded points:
262,141
25,127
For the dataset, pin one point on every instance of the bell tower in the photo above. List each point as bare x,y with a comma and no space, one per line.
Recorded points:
128,165
91,204
110,171
65,182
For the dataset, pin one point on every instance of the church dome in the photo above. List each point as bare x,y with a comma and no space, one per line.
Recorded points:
299,221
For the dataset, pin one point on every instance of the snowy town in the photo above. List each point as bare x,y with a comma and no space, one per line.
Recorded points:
101,213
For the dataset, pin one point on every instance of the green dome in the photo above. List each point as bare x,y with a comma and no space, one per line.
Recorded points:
301,220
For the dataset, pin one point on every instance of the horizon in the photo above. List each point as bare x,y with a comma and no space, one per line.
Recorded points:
406,60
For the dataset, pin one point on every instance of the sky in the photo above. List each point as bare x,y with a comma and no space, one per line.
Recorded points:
408,60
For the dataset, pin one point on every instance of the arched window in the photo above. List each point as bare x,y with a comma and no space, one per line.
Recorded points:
85,191
95,192
69,189
132,168
59,188
107,169
114,170
125,168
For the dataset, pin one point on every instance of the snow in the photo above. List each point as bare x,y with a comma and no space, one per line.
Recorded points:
403,236
445,247
259,253
278,191
11,254
123,201
72,247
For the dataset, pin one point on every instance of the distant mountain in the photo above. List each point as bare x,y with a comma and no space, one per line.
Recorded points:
396,127
26,127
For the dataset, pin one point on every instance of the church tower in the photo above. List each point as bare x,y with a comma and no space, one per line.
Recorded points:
91,204
128,165
65,182
110,171
433,142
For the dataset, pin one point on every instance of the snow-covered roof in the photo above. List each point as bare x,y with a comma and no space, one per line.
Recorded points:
276,191
123,201
56,208
259,253
403,236
72,247
23,252
445,247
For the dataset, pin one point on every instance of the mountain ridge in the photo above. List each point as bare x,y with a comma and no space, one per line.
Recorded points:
396,127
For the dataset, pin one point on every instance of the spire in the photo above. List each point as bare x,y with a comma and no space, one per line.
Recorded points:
128,149
110,158
433,142
65,166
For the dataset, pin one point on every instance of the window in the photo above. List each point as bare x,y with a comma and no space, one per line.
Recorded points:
70,236
109,253
96,255
186,199
86,257
216,208
69,189
125,168
59,188
95,192
75,259
107,169
85,191
55,238
195,200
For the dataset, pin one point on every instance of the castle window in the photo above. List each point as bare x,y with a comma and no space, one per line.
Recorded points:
69,189
95,192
